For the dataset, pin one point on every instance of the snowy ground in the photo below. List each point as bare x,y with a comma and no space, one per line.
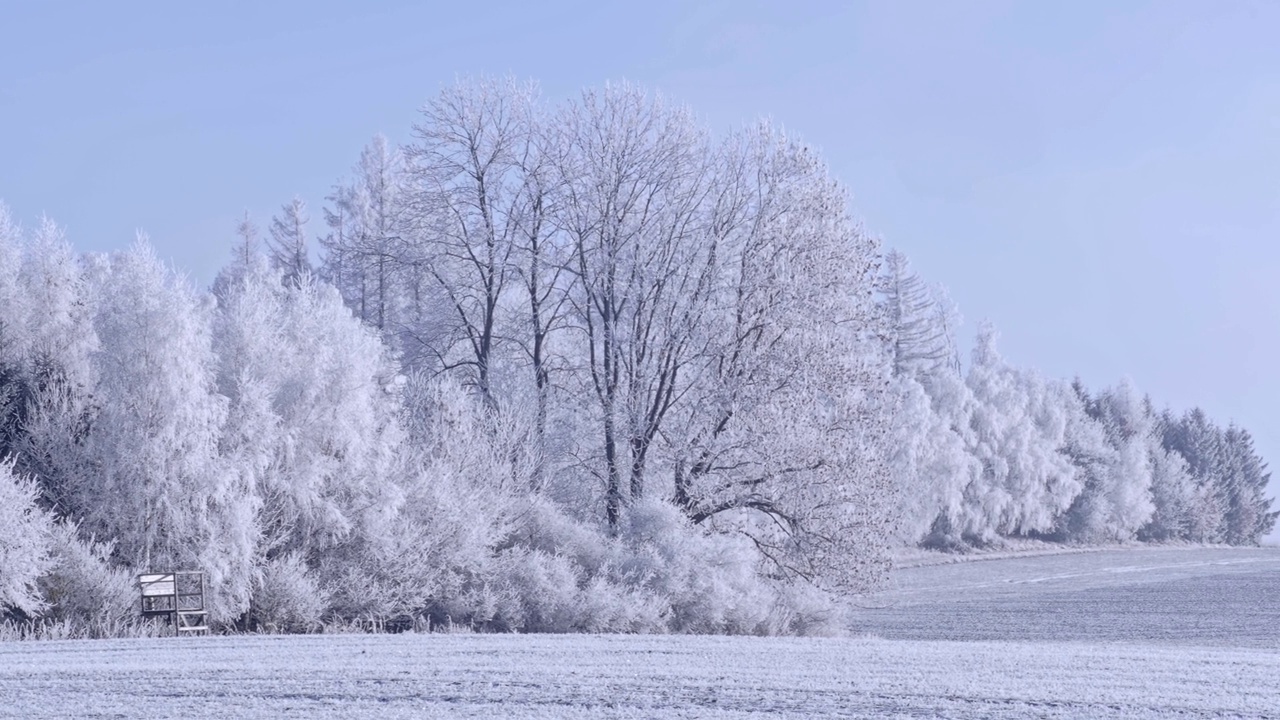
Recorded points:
1228,597
1083,659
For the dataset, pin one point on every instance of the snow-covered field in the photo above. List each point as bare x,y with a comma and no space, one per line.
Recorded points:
1170,633
1227,597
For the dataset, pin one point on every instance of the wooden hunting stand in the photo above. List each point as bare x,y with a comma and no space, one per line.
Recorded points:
179,596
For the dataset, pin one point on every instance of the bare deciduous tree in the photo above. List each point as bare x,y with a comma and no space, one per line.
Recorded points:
468,209
634,176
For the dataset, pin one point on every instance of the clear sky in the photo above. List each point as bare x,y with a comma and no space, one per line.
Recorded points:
1100,179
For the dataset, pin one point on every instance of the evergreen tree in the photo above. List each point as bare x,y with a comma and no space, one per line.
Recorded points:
1199,442
1248,514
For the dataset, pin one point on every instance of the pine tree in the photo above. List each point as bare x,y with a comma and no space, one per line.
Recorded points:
1198,441
1248,514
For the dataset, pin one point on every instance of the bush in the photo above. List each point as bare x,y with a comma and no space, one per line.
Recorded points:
552,575
287,598
85,588
709,582
660,574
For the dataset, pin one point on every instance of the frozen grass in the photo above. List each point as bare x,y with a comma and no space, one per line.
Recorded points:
1120,673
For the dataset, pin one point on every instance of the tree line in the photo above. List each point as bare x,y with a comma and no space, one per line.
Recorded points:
998,451
573,367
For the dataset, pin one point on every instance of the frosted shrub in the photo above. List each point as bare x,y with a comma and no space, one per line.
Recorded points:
552,531
543,591
287,598
660,574
608,596
801,609
555,575
710,582
84,587
608,607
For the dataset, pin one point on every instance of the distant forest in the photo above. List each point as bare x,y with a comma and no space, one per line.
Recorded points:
549,367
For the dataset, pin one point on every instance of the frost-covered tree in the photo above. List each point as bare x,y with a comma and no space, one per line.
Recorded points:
1225,500
1198,441
1130,426
312,427
470,212
542,262
460,500
364,252
929,461
14,381
1248,516
53,282
1109,441
949,457
25,539
288,242
154,433
1174,495
1019,425
247,245
919,338
245,251
635,172
1097,464
138,462
60,342
780,433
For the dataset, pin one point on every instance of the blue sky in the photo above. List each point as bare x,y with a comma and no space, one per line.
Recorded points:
1100,179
